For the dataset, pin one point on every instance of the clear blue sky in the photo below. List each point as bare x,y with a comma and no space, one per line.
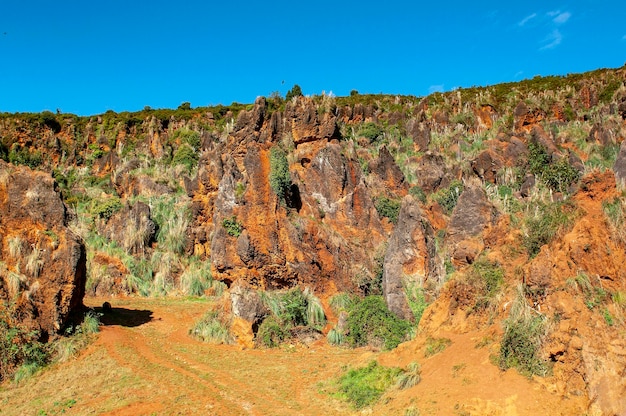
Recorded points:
86,57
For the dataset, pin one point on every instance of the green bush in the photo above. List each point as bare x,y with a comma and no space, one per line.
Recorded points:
271,332
364,386
186,136
279,177
371,323
388,208
106,208
21,156
521,345
19,348
289,309
418,193
233,227
558,176
448,197
410,377
489,277
185,155
370,131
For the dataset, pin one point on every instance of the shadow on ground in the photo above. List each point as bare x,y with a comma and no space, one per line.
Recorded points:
123,317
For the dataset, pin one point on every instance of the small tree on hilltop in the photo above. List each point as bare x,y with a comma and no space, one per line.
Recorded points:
296,91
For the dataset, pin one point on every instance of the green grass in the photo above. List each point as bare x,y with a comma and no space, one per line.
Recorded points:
436,345
524,333
210,328
364,386
410,377
543,222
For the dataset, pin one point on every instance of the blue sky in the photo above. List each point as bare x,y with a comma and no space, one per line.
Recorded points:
87,57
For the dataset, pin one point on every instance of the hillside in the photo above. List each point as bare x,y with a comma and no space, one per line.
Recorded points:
490,221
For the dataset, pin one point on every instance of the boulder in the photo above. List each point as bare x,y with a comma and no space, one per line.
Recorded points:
471,216
410,258
43,269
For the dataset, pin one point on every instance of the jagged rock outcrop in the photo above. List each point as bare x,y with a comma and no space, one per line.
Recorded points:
387,170
471,216
410,259
42,263
273,241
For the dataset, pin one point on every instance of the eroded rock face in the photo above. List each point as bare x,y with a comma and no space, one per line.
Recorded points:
470,218
324,231
410,257
43,264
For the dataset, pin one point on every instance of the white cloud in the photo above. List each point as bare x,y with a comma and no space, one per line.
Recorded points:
527,19
435,88
552,40
562,18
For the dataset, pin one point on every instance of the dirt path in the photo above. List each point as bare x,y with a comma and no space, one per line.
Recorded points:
143,362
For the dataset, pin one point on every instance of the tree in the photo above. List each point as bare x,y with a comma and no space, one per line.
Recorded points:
296,91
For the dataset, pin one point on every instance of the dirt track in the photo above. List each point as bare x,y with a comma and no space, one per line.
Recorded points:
159,369
144,363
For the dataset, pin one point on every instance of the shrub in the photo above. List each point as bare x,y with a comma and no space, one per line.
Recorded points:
289,309
342,302
558,176
448,197
387,208
271,332
279,177
21,156
19,348
418,193
196,278
524,332
371,323
364,386
211,329
233,227
417,302
186,136
370,131
335,337
106,208
185,155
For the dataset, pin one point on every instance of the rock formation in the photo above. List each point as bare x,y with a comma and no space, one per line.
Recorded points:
43,264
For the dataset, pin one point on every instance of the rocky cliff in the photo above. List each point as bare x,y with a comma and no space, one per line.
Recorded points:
471,201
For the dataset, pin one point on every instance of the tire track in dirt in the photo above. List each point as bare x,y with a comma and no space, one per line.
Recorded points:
186,376
120,341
